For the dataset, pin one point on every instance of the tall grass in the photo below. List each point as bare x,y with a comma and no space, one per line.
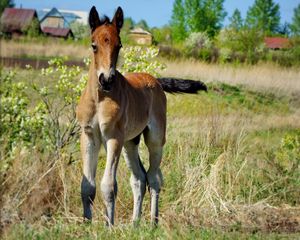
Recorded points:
258,77
225,169
43,49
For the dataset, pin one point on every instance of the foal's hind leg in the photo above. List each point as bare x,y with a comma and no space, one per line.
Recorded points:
138,176
90,145
154,141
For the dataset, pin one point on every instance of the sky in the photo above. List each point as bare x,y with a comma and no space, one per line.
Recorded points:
156,12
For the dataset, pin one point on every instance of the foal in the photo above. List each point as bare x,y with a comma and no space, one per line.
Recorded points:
115,110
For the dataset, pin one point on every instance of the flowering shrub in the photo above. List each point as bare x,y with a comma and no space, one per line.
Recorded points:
138,59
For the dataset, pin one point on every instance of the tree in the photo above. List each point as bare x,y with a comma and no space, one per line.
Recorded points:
264,15
178,22
143,24
33,29
4,4
295,26
204,15
236,21
80,30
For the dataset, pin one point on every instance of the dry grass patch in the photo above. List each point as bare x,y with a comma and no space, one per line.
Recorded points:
43,49
258,77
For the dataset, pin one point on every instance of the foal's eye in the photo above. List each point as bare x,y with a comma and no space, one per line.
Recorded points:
94,47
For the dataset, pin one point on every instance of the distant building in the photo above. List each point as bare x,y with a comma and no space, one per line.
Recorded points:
14,21
56,24
140,36
68,15
58,32
53,19
277,43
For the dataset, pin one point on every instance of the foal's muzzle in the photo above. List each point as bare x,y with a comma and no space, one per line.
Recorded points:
106,84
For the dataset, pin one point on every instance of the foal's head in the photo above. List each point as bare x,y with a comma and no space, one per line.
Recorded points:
106,44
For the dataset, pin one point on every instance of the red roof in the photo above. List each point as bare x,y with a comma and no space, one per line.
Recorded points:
276,42
57,32
16,19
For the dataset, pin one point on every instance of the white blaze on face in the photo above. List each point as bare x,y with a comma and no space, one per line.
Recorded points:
106,73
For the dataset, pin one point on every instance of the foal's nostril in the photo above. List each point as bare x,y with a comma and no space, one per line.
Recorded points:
101,79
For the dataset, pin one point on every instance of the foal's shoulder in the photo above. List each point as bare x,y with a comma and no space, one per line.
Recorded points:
141,80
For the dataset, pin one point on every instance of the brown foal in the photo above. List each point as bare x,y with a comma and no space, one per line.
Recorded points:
114,111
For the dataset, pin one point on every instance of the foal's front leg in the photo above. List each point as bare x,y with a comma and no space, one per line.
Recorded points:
109,186
90,145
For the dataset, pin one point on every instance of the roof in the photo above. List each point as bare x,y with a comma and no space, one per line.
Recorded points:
140,31
68,15
276,42
57,32
53,13
16,19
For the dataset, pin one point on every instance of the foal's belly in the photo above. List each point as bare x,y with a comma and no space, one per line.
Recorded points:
132,130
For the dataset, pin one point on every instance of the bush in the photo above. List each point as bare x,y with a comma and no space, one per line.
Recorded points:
243,45
139,59
198,45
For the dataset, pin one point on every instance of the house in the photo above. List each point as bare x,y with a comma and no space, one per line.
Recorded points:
71,16
53,19
58,32
276,43
140,36
56,24
15,21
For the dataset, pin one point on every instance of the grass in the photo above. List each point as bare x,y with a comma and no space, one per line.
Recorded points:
227,174
261,77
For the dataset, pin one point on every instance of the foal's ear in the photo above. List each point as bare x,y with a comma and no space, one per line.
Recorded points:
118,19
94,19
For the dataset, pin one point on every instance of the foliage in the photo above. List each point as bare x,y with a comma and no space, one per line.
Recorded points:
295,25
4,4
33,30
199,46
243,45
19,124
198,40
142,24
204,15
196,16
139,59
178,25
236,21
79,30
162,35
264,15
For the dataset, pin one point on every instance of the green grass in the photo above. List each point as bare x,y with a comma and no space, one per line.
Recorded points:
63,231
223,165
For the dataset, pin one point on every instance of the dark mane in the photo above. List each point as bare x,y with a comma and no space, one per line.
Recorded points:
104,20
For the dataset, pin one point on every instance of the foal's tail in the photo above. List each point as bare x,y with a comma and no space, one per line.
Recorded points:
176,85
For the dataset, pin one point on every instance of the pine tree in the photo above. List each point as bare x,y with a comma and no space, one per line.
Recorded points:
264,15
236,21
178,25
295,26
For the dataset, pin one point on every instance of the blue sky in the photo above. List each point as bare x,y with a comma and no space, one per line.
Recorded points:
155,12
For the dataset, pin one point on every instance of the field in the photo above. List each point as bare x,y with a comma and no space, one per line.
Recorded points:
231,166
